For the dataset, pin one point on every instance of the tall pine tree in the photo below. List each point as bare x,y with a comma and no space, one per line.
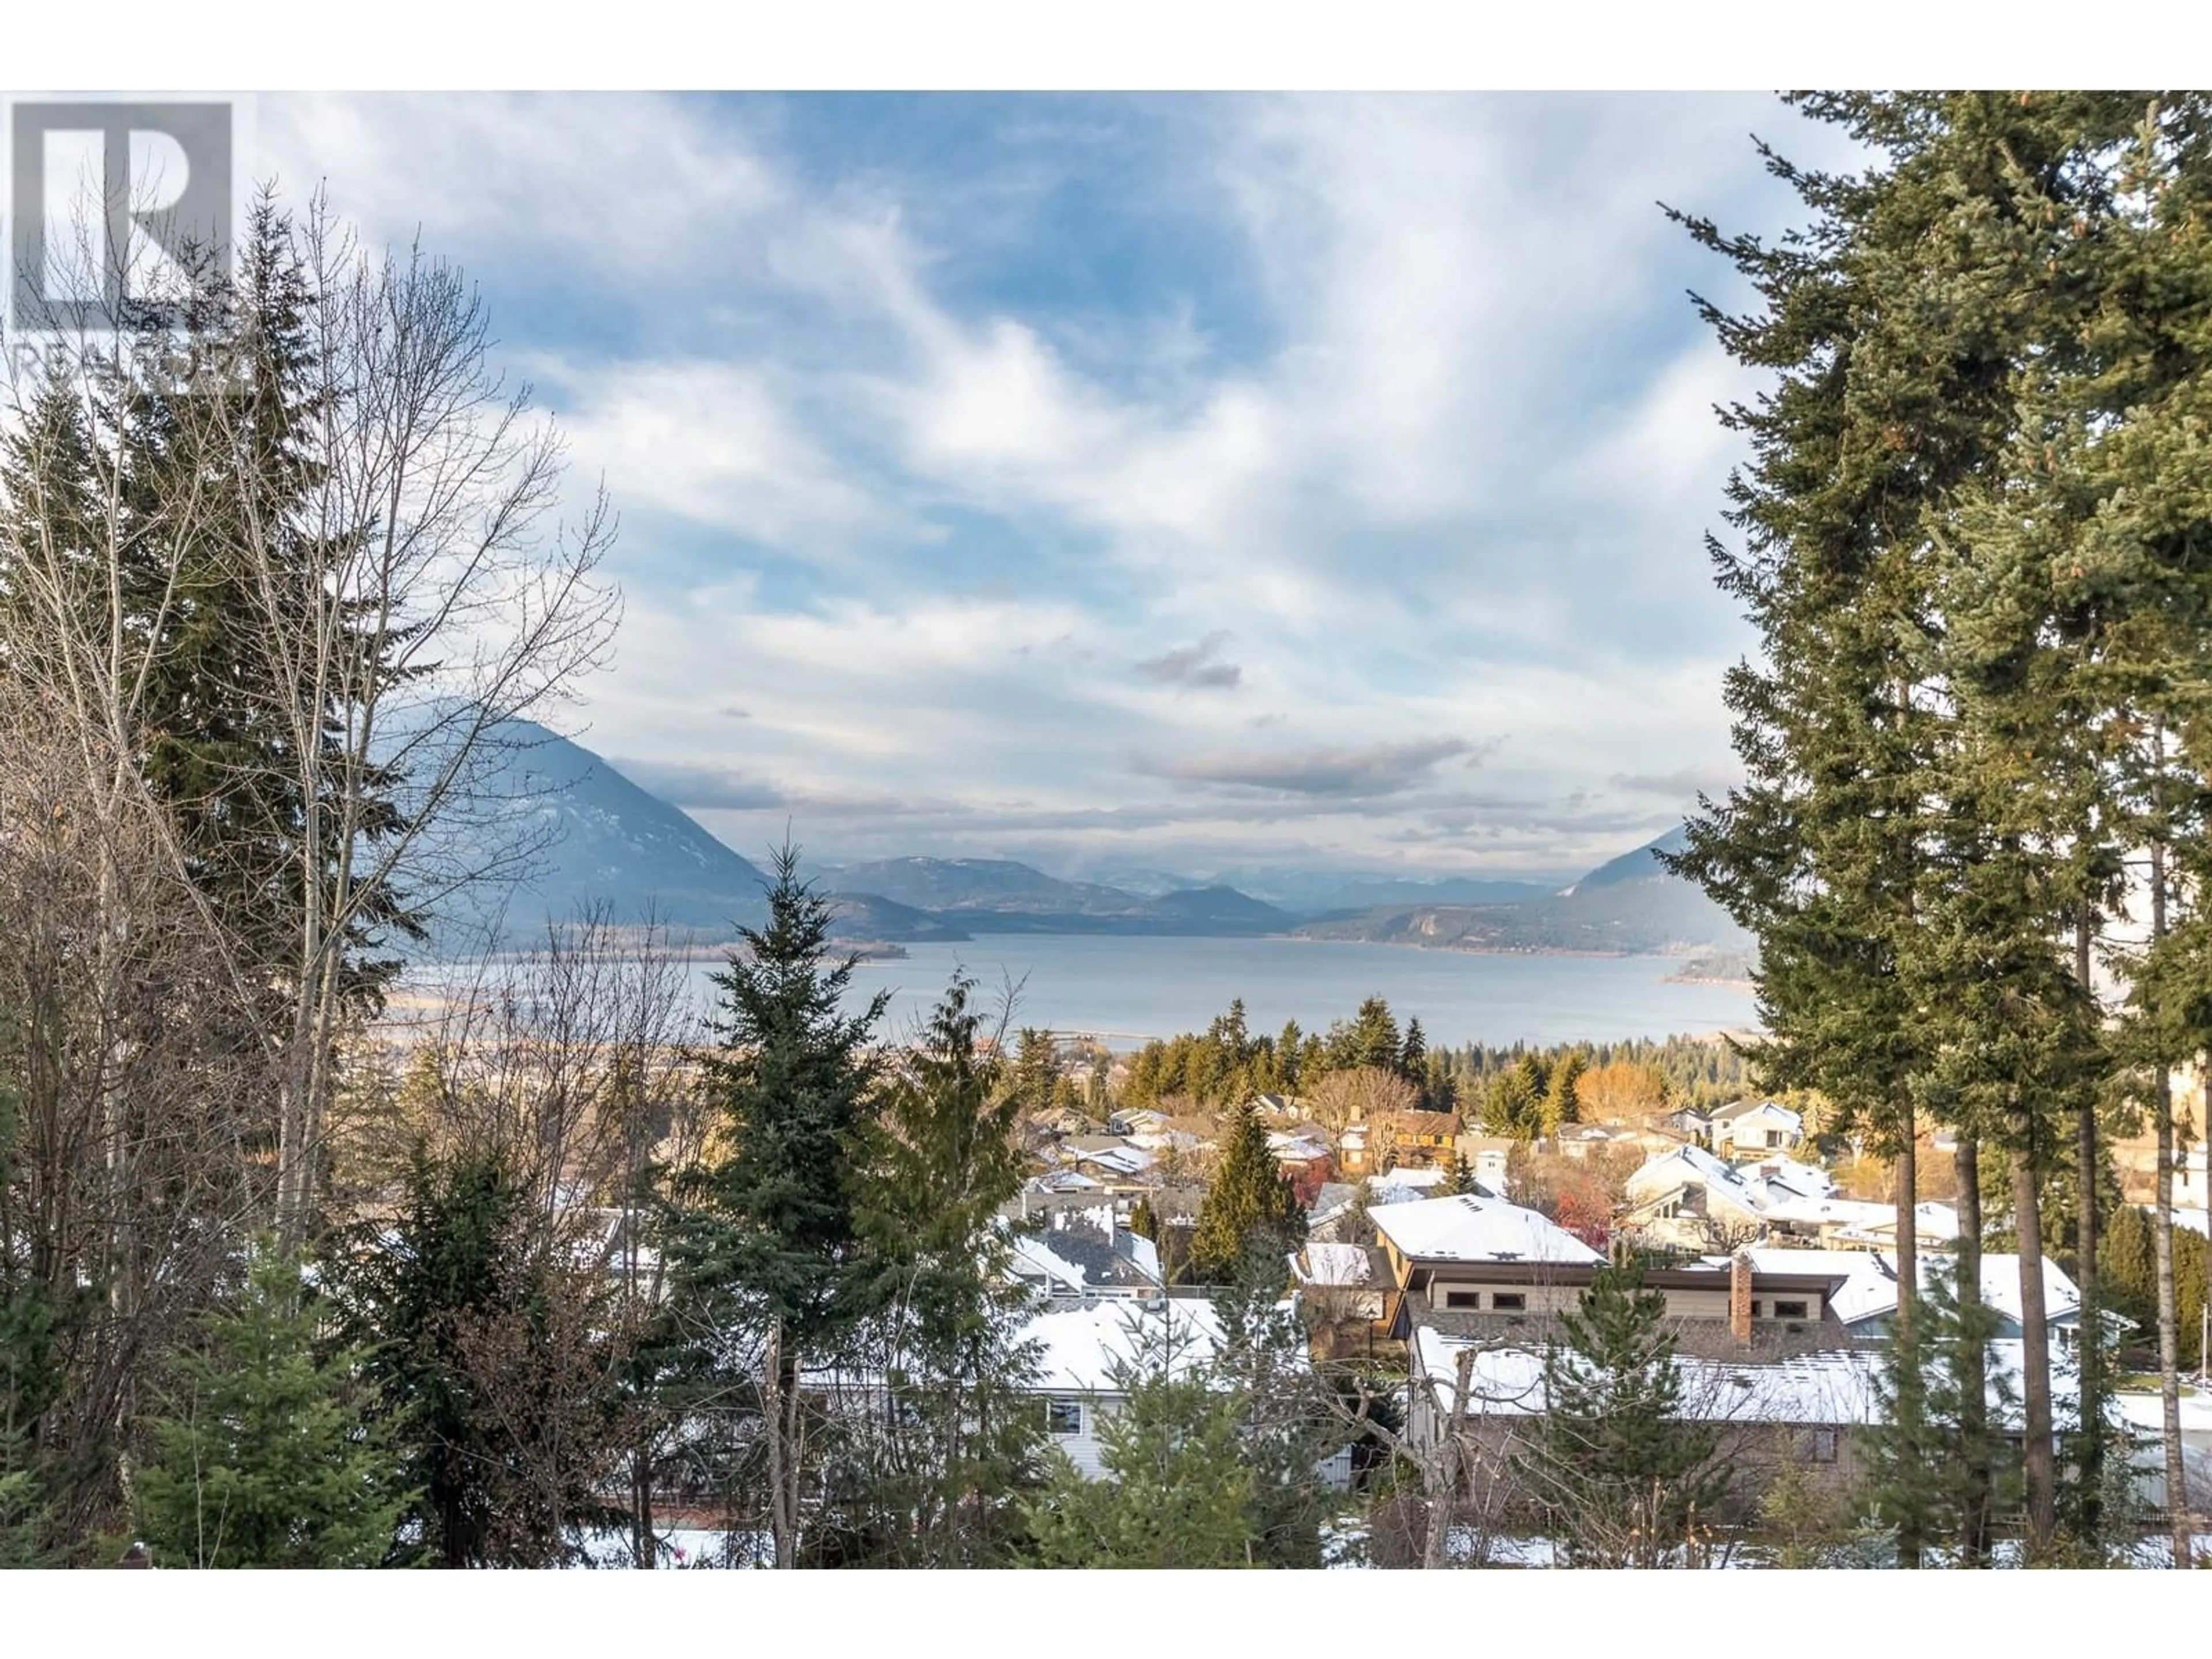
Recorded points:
764,1243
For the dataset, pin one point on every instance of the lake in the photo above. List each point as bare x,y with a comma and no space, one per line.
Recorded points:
1127,991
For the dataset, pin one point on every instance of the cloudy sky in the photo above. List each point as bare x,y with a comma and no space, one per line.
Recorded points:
1193,485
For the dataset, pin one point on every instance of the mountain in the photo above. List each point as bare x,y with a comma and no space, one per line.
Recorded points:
600,839
1642,864
595,838
1627,906
871,916
998,896
603,841
960,885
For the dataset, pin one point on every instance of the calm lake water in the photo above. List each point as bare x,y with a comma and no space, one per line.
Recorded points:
1130,990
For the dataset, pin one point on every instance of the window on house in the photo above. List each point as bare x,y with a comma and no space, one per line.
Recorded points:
1064,1416
1509,1301
1755,1308
1789,1310
1774,1137
1818,1446
1462,1298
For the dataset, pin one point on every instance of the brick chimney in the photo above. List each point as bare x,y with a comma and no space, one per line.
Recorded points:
1740,1297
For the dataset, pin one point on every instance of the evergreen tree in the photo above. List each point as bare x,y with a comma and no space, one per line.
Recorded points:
1413,1055
1928,808
1177,1491
1250,1209
1621,1478
1371,1039
963,1439
1937,1460
1517,1098
260,1453
1459,1178
765,1252
488,1352
1562,1102
1290,1049
1283,1430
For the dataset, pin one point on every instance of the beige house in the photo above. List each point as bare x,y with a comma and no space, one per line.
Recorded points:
1755,1128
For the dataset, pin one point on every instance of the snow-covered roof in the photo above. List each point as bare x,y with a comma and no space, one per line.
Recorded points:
1846,1212
1787,1174
1333,1264
1467,1228
1296,1148
1870,1285
1869,1290
1403,1186
1680,1166
1737,1111
1080,1348
1064,1183
1034,1259
1930,1221
1121,1159
1836,1386
2000,1284
1140,1250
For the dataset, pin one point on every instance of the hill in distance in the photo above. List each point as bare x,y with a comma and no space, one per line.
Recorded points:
1628,906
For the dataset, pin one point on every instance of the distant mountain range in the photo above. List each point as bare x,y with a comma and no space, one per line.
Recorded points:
1630,905
610,842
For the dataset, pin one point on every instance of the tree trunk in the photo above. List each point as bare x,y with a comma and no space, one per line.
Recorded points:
2169,1358
784,1459
2162,1237
2038,1459
1909,1541
2089,1349
642,1550
1973,1365
1443,1468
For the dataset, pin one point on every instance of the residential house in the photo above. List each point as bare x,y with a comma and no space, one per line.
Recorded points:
1077,1262
1689,1200
1390,1140
1063,1198
1112,1158
2001,1293
1487,1155
1067,1120
1300,1155
1935,1226
1755,1128
1579,1140
1341,1285
1761,1343
2136,1157
1805,1410
1333,1204
1088,1354
1458,1258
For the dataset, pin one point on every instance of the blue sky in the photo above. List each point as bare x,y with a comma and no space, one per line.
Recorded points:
1185,483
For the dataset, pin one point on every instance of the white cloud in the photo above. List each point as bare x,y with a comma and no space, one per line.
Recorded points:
1424,423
